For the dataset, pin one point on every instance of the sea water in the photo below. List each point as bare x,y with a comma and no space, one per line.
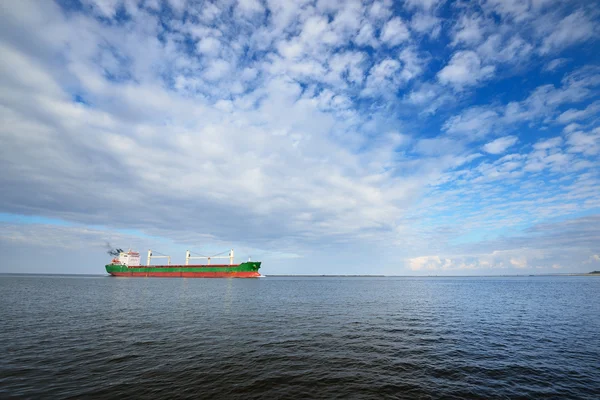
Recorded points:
297,338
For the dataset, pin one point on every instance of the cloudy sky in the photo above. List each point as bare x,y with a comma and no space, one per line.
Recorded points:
415,137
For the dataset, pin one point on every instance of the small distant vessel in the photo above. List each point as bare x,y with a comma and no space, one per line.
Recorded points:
128,264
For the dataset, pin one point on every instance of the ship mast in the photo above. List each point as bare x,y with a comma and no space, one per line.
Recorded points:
151,256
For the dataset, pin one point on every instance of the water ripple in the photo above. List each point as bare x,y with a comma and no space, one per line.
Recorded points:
300,338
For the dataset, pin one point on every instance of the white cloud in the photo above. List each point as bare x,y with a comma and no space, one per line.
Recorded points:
191,138
574,28
552,246
556,64
515,9
427,263
548,154
106,8
423,95
249,74
543,102
518,262
571,128
366,36
217,69
382,76
209,46
577,115
469,30
347,66
177,6
394,32
380,10
585,143
474,122
426,24
548,143
497,48
249,7
500,145
465,69
316,29
429,97
424,4
455,263
296,123
412,63
386,77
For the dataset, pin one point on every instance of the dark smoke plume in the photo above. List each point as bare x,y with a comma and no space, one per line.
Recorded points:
111,251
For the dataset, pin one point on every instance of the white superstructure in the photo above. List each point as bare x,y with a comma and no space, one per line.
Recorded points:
131,258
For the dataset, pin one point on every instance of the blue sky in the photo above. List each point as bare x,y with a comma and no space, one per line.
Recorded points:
410,138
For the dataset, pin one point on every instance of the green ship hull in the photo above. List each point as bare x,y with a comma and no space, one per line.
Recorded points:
244,270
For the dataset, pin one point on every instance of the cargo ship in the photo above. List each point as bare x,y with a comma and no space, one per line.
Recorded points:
128,264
